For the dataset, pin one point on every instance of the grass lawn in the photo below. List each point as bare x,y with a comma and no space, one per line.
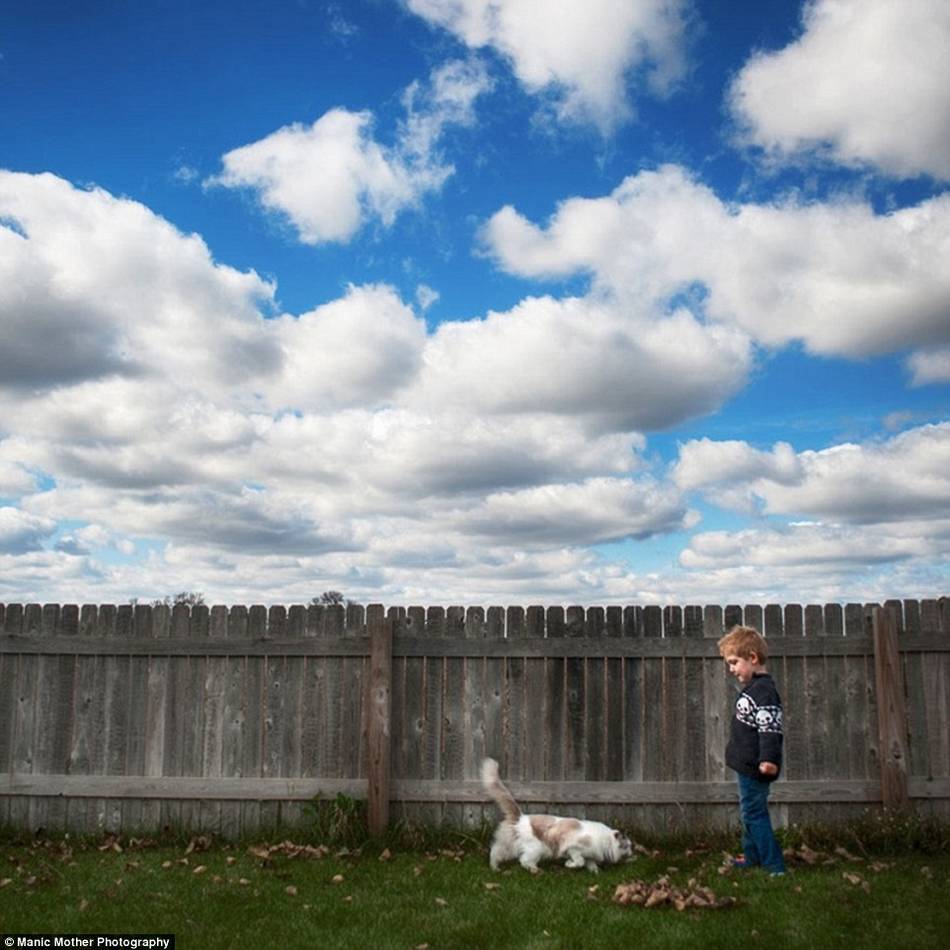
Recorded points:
261,896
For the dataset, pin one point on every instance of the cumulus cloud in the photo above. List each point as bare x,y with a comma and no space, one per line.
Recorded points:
591,512
614,366
837,276
330,177
355,351
120,290
930,366
582,55
21,532
867,83
904,478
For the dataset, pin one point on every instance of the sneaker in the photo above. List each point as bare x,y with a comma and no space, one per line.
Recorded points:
739,861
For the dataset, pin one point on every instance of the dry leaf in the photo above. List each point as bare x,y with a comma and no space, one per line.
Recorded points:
846,854
386,855
6,881
442,902
83,904
491,886
852,878
230,859
417,870
243,882
337,879
200,869
291,890
166,864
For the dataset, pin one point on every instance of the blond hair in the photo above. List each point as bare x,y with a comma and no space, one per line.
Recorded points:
744,641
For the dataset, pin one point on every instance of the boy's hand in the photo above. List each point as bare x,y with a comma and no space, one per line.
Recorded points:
768,768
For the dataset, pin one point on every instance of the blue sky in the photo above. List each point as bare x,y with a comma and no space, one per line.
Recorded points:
475,301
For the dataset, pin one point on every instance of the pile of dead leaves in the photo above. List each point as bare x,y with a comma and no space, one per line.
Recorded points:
288,850
662,893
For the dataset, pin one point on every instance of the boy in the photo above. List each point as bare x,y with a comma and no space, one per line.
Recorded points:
754,750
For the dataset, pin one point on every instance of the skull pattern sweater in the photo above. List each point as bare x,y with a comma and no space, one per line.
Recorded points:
756,732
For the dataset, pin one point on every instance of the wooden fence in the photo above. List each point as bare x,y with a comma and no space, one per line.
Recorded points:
233,719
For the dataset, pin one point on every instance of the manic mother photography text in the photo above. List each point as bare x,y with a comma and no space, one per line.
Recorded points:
91,941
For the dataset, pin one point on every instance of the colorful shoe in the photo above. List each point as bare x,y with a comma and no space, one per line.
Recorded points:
739,861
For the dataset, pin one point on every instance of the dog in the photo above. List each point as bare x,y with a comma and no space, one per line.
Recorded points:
530,839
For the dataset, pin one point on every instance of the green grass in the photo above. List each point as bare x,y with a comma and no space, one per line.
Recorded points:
439,897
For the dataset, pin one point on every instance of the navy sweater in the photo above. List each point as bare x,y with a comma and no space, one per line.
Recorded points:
756,732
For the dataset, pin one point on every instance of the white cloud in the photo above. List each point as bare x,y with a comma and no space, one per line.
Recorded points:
867,83
615,367
355,351
21,532
837,276
591,512
330,177
120,290
582,55
426,296
904,478
930,366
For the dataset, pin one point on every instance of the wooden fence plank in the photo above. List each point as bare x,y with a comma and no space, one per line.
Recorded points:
794,701
379,722
513,763
554,712
674,704
234,718
718,698
255,714
495,690
653,700
633,713
614,732
575,701
593,761
535,707
835,688
21,736
694,744
857,682
155,703
45,718
892,716
453,764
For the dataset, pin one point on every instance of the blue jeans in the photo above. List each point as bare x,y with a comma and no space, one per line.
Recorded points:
759,844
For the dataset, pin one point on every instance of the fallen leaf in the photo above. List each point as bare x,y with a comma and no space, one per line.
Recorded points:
83,904
166,864
230,859
386,855
337,879
200,869
491,886
6,881
442,902
291,890
846,854
852,878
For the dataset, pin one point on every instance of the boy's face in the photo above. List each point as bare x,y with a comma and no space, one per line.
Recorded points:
741,668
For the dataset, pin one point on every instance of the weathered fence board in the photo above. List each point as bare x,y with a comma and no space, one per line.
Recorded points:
232,719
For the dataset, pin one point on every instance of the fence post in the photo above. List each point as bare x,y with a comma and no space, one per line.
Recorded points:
891,709
379,707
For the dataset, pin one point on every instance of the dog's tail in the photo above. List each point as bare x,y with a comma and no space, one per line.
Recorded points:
496,788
